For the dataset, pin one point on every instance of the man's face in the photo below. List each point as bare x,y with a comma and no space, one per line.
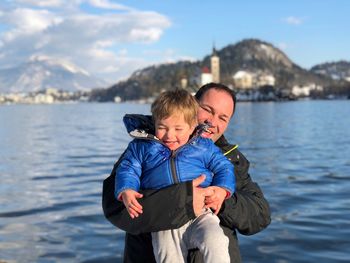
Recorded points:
173,131
216,106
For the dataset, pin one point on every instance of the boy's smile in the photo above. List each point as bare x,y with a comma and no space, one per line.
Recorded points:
173,131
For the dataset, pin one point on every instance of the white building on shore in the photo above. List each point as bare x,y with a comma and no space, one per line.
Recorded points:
243,79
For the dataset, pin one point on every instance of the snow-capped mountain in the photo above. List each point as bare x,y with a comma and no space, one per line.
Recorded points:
42,72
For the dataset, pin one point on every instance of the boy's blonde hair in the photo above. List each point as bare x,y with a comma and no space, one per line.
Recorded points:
174,102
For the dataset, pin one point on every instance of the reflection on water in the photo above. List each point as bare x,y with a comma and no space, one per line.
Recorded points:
54,159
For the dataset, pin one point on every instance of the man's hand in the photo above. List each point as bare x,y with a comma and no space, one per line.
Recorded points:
199,195
215,201
129,198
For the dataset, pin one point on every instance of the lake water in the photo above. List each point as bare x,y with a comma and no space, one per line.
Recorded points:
53,159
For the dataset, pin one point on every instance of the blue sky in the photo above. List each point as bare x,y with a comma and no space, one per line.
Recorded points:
112,39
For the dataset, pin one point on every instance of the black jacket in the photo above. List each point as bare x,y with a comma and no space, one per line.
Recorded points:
247,211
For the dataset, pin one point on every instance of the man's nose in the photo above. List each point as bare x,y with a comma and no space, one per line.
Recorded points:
213,121
209,120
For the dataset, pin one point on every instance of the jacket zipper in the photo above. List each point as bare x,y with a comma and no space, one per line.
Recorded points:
172,161
173,168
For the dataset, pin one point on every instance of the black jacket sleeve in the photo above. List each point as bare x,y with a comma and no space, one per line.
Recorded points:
247,210
163,209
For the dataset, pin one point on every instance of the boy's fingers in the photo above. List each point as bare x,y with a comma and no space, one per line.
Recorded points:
130,212
136,207
133,213
138,210
138,195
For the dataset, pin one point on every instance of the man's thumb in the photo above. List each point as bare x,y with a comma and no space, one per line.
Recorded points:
199,180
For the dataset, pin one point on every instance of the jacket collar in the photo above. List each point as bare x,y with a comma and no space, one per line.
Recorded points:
225,146
222,142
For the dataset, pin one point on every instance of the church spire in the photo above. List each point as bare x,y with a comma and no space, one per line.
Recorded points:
215,65
214,50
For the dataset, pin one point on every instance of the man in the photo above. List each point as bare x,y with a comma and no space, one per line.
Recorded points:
247,211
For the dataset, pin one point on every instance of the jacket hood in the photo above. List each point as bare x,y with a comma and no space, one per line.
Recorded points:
139,122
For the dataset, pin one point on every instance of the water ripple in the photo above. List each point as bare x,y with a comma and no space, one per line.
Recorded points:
53,208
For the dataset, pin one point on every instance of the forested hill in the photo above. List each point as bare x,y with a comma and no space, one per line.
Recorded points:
249,55
336,70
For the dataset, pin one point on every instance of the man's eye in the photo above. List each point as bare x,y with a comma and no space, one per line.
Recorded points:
223,119
178,129
206,109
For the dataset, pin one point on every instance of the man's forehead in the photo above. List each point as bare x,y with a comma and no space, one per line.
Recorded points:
214,94
220,106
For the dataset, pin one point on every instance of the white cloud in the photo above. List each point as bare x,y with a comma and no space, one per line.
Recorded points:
88,40
123,52
111,69
187,58
103,43
145,35
42,3
103,4
107,5
292,20
29,21
168,55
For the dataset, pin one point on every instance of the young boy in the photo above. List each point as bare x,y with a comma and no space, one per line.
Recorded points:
176,153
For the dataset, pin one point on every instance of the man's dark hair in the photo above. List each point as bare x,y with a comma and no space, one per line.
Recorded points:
217,86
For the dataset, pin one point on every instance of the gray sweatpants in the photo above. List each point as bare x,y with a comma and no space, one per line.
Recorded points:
204,233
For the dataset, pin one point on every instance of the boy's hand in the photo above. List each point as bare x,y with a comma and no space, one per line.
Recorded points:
215,200
129,198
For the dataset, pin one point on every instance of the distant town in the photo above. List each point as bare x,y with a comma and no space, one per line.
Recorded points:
48,96
250,84
265,92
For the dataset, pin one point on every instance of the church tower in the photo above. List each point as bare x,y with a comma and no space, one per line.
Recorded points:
215,66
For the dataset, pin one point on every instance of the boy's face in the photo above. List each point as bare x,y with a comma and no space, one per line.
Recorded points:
173,131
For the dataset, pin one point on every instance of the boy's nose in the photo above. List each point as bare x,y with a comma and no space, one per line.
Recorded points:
169,134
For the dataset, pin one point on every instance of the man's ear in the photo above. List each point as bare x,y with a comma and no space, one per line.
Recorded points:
193,127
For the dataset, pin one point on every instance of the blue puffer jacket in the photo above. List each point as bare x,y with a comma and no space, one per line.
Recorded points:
149,164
